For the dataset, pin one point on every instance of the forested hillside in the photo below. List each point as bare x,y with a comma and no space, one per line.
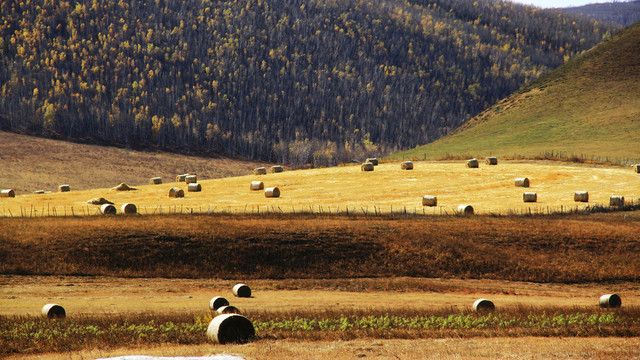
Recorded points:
624,13
289,81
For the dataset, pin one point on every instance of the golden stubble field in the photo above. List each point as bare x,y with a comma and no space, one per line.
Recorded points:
489,189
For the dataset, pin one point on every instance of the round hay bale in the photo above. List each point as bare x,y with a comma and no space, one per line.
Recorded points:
175,192
492,160
230,329
191,179
472,163
257,185
429,200
181,177
53,311
367,166
610,301
99,201
194,187
636,168
155,181
581,196
64,188
483,305
260,171
272,192
373,161
465,210
123,187
217,302
108,209
529,197
522,182
276,169
228,309
407,165
242,290
129,209
8,193
616,201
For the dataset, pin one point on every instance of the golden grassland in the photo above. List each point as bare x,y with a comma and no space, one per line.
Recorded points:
489,189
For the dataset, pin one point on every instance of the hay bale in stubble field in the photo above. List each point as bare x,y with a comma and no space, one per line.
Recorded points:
492,160
276,169
581,196
191,179
129,209
256,185
636,168
522,182
367,167
217,302
472,163
228,309
123,187
272,192
175,192
260,171
242,290
53,311
616,201
483,305
230,329
155,181
108,209
64,188
429,200
8,193
529,197
181,177
610,301
465,210
373,161
194,187
407,165
99,201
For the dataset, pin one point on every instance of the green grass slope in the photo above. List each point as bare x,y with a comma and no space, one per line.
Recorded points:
589,107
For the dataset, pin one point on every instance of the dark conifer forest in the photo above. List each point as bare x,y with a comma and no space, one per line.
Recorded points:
288,81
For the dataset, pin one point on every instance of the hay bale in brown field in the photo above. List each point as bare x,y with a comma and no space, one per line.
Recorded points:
276,169
482,305
272,192
191,179
373,161
367,166
242,290
610,301
529,197
129,209
492,160
194,187
108,209
429,200
99,201
123,187
616,201
465,210
181,177
175,192
260,171
155,181
217,302
228,309
581,196
407,165
522,182
53,311
636,168
257,185
64,188
472,163
230,329
8,193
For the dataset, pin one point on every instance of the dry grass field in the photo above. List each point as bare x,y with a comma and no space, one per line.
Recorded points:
489,189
